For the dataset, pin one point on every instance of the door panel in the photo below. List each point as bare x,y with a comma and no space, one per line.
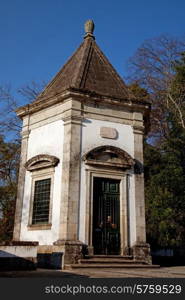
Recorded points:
106,216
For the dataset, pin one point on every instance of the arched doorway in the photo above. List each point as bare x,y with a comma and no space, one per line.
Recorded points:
106,215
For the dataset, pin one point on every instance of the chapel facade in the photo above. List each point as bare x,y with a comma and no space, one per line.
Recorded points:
81,181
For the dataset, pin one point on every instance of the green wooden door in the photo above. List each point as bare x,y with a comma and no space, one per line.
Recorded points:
106,216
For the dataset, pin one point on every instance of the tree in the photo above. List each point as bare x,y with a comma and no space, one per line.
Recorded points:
165,189
165,173
9,163
177,91
10,125
31,91
152,68
165,167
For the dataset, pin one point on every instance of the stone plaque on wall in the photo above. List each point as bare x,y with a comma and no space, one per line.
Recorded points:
108,133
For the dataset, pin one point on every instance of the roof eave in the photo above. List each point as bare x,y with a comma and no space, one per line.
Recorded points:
81,95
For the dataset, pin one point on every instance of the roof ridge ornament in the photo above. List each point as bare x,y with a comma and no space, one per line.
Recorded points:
89,29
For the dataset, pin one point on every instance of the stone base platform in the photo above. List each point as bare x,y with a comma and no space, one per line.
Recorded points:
18,255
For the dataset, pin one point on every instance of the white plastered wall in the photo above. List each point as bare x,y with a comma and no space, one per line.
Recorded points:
91,139
47,139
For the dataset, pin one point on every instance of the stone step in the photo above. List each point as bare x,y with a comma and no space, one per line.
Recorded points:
109,256
108,260
113,266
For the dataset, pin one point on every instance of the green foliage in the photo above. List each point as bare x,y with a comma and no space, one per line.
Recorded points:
179,67
7,208
9,162
165,189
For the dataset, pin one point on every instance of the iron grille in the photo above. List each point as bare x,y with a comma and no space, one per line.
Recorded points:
106,216
41,201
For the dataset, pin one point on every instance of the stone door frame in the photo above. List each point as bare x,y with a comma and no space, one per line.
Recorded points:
92,172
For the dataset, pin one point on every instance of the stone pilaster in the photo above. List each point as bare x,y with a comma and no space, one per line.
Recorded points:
70,198
141,250
21,182
139,184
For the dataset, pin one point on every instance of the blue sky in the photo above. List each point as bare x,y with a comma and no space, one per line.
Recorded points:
37,36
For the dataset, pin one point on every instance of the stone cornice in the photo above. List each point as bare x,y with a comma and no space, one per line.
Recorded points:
39,105
84,96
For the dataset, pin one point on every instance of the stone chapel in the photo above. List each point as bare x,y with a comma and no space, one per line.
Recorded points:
81,181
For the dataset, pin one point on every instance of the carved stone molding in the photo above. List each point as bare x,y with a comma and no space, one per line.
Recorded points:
138,129
73,120
25,134
109,156
41,161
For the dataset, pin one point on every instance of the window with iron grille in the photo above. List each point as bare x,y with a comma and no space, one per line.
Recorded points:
41,201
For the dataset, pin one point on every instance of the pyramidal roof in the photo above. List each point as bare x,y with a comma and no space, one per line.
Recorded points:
88,70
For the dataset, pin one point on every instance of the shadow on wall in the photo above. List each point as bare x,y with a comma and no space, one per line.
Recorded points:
11,262
18,255
50,260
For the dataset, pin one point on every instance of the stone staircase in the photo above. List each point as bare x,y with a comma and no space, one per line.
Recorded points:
109,261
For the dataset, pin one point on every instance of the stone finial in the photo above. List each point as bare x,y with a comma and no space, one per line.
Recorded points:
89,28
